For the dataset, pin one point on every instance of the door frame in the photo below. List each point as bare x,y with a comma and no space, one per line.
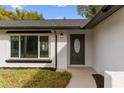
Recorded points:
68,50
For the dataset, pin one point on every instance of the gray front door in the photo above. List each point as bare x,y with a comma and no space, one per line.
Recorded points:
77,53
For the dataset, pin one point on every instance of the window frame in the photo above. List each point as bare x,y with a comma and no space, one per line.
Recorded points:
38,35
48,46
11,47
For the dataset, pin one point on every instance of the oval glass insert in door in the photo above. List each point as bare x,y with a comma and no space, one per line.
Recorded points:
77,45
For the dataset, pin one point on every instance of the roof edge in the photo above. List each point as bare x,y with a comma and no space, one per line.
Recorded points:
105,12
52,27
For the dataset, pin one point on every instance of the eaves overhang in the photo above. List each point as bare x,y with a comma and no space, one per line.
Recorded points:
104,13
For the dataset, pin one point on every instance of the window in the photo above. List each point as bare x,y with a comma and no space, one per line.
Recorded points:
28,46
15,46
44,46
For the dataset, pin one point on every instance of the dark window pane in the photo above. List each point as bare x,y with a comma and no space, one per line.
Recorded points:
14,46
44,46
29,46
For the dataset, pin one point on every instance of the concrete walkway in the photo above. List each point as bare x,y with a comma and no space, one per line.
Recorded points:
81,78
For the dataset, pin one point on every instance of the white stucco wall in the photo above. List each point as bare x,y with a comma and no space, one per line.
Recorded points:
114,79
108,44
62,50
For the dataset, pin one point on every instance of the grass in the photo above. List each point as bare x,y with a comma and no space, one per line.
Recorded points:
33,78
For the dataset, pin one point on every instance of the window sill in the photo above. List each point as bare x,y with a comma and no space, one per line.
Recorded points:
28,60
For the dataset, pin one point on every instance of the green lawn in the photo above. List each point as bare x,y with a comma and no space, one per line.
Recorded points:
33,78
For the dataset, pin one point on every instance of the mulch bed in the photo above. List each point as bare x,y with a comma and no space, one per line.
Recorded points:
99,79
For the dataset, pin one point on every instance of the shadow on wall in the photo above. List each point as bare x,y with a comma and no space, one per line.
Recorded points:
61,52
62,55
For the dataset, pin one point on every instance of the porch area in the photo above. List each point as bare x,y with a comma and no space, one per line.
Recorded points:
81,77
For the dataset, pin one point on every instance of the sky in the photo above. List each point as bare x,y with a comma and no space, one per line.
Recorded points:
49,11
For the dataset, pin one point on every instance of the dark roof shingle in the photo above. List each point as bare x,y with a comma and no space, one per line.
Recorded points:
79,23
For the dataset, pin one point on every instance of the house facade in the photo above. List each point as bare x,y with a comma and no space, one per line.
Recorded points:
60,44
30,44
